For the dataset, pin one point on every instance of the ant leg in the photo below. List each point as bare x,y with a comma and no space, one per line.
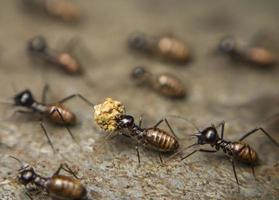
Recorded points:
252,167
138,154
76,95
48,139
66,126
66,168
44,94
201,150
161,159
166,121
222,124
158,123
233,165
19,111
140,121
259,129
29,195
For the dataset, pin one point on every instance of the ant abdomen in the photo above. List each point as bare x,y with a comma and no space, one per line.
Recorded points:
65,187
160,140
59,114
244,153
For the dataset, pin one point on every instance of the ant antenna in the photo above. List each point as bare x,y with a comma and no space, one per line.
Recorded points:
21,163
185,119
7,101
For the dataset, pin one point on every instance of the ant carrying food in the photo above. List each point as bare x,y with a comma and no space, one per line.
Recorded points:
110,117
57,186
235,150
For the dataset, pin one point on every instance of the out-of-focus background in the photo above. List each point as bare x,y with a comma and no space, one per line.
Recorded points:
244,96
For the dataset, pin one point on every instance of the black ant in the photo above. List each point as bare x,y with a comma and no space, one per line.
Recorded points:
165,83
38,47
153,137
62,9
236,150
55,112
258,56
57,186
167,46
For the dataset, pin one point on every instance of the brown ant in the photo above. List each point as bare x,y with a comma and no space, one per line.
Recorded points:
57,186
258,56
167,47
63,9
153,137
38,47
235,150
55,112
164,83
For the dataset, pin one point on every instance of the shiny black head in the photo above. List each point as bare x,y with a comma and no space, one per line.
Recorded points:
24,98
138,72
207,136
26,175
125,121
37,44
227,45
138,41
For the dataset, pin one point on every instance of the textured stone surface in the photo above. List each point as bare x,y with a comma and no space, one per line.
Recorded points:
218,90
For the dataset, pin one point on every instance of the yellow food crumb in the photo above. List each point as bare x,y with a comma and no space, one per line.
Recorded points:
106,114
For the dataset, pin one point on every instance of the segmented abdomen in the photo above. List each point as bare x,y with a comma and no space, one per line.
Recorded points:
243,152
160,140
53,114
169,85
64,187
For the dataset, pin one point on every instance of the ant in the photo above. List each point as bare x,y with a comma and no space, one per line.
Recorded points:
57,186
62,9
235,150
55,112
167,47
153,137
258,56
164,83
38,47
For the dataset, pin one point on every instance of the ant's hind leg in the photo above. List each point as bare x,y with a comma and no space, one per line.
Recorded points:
46,134
76,95
44,93
166,121
138,153
234,171
263,131
66,168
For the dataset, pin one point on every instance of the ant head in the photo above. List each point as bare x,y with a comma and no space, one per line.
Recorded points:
207,136
37,44
125,121
138,72
26,175
24,98
137,41
227,44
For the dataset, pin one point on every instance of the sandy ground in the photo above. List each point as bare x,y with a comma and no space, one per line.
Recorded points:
245,97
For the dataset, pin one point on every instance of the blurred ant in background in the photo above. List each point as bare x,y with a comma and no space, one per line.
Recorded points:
164,83
254,54
63,9
166,47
